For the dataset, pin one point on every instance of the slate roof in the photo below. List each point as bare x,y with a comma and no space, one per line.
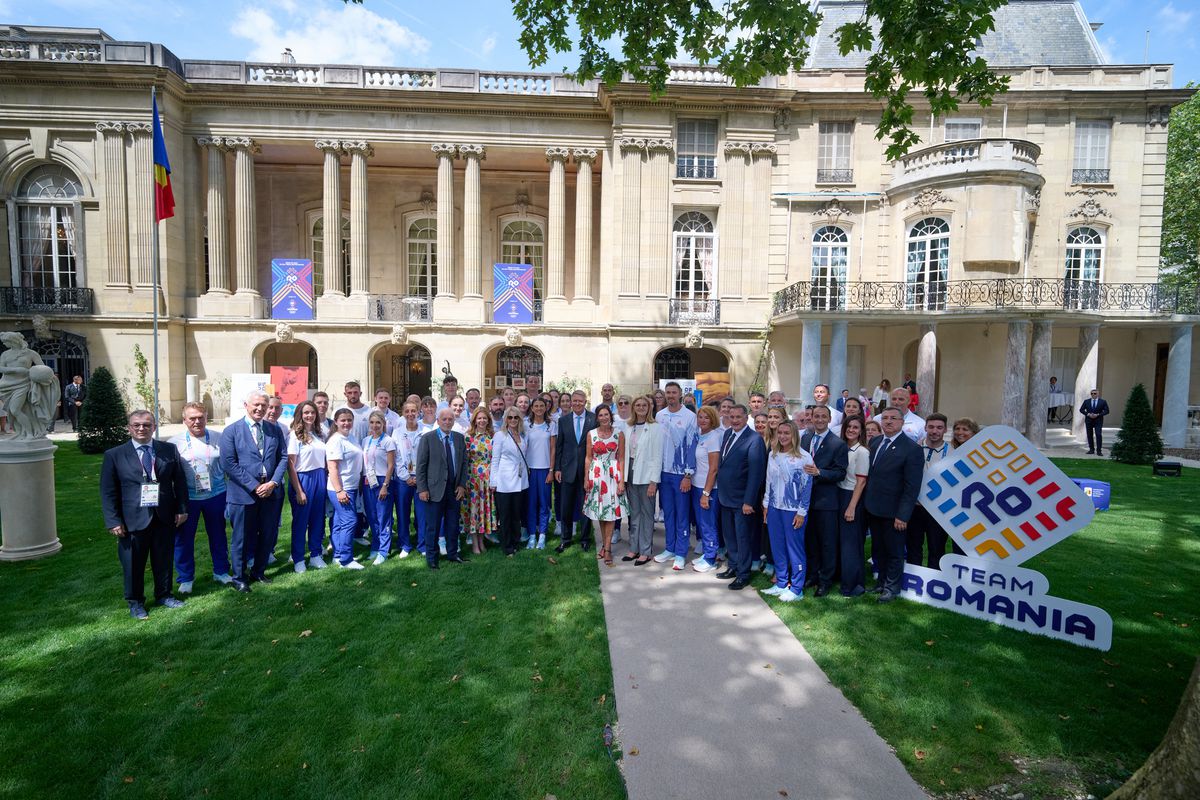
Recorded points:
1028,33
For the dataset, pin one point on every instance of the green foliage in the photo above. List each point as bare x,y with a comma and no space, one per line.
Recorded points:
1138,441
569,383
102,418
920,45
144,389
1181,201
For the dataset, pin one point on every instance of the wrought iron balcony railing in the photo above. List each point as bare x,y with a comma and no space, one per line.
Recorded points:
400,308
695,168
1000,293
26,300
835,176
1089,176
695,312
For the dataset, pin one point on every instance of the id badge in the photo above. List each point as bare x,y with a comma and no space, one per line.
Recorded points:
149,498
203,480
372,480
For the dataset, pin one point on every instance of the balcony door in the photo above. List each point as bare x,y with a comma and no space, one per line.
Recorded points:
1085,259
928,265
695,282
830,255
47,209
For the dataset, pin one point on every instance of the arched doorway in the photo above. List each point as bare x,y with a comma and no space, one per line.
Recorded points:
292,354
65,353
402,369
512,366
676,363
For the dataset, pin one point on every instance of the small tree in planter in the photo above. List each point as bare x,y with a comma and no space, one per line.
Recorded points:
102,419
1138,441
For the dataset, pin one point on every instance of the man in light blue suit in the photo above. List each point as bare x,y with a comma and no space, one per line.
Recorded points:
741,475
254,458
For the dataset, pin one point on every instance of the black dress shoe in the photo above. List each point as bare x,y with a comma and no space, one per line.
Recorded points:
1091,452
727,574
239,586
456,559
886,597
563,546
585,547
261,579
433,566
628,557
821,591
857,591
739,584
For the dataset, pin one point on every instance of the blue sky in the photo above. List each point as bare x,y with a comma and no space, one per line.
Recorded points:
472,33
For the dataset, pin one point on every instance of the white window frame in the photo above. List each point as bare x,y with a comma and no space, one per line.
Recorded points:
71,203
1092,149
317,254
693,159
961,121
692,245
425,248
830,263
927,263
1083,266
835,148
521,251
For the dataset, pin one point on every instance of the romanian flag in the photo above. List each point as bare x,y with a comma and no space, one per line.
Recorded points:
164,198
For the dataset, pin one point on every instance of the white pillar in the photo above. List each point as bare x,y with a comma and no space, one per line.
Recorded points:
472,221
1039,382
556,223
360,266
729,245
245,249
27,497
927,370
116,213
218,216
584,157
810,358
754,246
1016,375
839,331
1086,376
446,153
1179,380
631,215
143,202
334,279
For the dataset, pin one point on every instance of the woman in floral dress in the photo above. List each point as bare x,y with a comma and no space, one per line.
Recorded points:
604,482
479,512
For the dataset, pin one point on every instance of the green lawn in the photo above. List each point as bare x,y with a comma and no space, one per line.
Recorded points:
961,699
489,680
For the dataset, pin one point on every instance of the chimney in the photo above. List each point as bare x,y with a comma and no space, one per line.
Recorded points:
286,57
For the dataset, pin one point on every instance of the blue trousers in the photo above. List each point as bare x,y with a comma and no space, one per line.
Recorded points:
251,523
379,517
675,512
308,520
706,521
442,515
787,548
213,510
345,520
403,496
741,537
539,502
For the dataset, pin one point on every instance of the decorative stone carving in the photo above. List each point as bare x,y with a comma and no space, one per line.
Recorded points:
694,339
211,141
926,199
399,334
557,154
139,127
1033,201
242,143
513,337
1089,209
361,147
783,119
834,210
1091,191
660,145
584,155
522,202
111,127
472,151
427,200
284,333
330,145
29,389
445,150
41,327
626,144
1158,116
763,150
738,148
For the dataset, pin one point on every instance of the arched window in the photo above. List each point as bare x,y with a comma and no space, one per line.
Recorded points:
422,257
317,248
695,266
928,264
672,364
830,253
518,362
1085,259
523,242
47,238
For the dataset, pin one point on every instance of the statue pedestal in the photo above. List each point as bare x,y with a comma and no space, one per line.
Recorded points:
28,520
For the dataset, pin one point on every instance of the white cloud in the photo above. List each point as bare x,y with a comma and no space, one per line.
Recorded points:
1109,49
348,34
489,44
1175,20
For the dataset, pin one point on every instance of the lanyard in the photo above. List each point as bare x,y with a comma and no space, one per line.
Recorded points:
929,451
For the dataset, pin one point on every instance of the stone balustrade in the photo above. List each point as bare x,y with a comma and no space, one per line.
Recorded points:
957,159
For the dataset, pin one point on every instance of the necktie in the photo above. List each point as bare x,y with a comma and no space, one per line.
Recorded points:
886,444
816,445
449,460
147,460
578,427
258,437
728,445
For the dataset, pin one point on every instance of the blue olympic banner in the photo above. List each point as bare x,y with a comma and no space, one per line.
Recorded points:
292,288
512,297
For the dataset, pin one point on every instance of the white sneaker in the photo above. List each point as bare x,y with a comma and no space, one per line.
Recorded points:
679,563
532,543
774,591
223,577
442,545
185,587
702,565
379,559
664,557
541,545
316,562
404,553
787,596
351,564
299,567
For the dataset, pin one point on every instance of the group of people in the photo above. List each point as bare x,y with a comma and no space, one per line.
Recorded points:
750,486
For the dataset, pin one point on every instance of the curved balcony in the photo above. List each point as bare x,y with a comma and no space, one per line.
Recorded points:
1014,159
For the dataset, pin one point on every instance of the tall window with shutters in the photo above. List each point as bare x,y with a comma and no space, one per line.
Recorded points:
1092,140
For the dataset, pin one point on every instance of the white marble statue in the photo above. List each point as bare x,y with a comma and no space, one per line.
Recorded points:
28,388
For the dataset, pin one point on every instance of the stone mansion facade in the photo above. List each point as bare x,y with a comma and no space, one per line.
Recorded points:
757,231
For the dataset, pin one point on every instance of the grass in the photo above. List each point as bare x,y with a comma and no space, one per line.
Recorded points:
489,680
966,702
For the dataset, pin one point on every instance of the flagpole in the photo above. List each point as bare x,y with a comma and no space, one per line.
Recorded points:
154,263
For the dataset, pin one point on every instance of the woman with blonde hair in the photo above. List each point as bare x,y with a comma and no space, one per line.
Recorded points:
479,512
379,464
962,430
642,470
788,490
704,486
508,476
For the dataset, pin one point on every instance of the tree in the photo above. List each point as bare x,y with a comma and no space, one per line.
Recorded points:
918,45
1180,260
102,420
1138,441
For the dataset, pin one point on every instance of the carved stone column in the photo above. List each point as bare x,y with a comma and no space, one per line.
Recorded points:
1038,405
334,279
556,224
584,157
446,153
116,210
810,357
472,220
218,215
754,247
142,191
839,332
631,215
1016,375
656,216
1179,380
927,369
733,193
245,250
360,268
1087,375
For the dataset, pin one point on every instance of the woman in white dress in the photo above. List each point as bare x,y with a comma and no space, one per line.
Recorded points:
604,479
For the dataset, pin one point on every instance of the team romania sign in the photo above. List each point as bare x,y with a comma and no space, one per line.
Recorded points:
1003,502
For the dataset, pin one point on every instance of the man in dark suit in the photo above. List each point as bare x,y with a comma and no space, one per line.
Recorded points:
830,459
144,495
741,474
569,458
73,397
254,458
442,484
1094,410
895,479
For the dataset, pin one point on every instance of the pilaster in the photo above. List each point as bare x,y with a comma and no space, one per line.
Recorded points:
116,211
142,193
631,215
656,215
733,281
